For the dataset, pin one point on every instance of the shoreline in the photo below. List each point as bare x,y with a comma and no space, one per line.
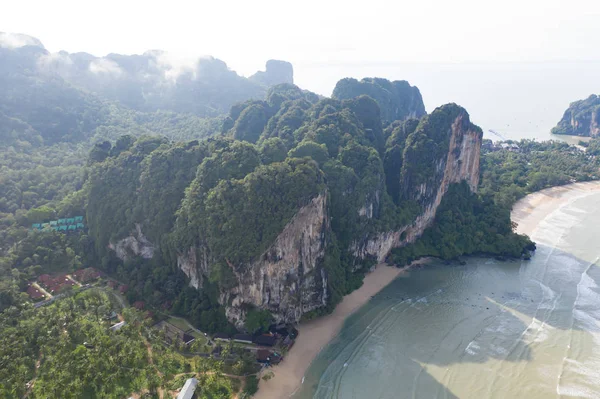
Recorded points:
315,334
529,211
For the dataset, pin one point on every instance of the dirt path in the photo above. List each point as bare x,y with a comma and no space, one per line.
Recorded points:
31,383
73,280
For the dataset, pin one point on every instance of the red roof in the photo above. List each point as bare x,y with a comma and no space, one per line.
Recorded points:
123,289
34,293
112,284
86,275
56,283
44,278
139,305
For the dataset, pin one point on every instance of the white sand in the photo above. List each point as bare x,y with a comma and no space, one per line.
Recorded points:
315,334
531,210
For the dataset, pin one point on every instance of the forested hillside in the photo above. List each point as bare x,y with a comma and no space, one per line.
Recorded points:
280,205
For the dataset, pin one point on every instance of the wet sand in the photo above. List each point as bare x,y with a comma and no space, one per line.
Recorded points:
315,334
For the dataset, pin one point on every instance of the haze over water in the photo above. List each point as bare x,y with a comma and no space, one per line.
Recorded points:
488,329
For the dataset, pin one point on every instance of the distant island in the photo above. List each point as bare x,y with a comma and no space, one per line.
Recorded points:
582,118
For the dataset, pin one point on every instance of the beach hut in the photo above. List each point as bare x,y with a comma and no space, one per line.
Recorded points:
70,220
63,227
53,222
243,338
72,227
79,218
36,226
80,225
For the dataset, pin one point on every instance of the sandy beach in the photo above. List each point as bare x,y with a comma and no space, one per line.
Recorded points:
528,212
314,335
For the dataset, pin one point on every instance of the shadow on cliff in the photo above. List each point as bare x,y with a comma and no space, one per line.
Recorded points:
440,315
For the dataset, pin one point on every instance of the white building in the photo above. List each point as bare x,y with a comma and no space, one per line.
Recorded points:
117,326
188,389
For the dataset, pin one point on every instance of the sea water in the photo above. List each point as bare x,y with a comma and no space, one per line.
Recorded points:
487,329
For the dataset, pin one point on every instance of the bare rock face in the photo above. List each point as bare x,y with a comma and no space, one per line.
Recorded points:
460,163
135,244
287,279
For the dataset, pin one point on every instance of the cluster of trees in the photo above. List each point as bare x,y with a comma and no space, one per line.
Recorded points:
509,174
66,350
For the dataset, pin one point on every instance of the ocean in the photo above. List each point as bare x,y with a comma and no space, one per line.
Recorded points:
486,329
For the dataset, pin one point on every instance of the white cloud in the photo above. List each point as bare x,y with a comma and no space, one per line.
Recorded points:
59,63
105,66
16,40
172,66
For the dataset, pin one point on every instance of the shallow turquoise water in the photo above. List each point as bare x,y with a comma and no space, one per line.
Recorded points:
487,329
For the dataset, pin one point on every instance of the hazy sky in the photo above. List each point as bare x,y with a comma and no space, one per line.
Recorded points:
489,56
246,33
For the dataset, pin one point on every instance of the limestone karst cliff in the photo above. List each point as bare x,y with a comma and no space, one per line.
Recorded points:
448,152
287,210
582,118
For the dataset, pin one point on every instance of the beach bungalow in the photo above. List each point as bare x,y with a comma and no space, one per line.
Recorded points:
174,334
267,357
78,219
53,223
187,392
243,338
70,220
62,228
221,337
44,279
265,340
34,293
80,225
72,227
62,221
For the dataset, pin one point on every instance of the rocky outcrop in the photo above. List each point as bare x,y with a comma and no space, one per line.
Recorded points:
287,279
136,244
397,100
188,263
460,162
582,118
276,72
